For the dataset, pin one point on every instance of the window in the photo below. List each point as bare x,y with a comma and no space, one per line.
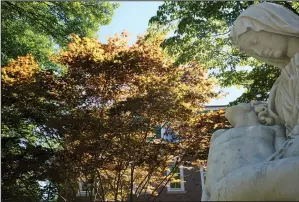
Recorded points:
177,184
84,186
83,189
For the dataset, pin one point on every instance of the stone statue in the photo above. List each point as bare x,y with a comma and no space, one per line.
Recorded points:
258,159
249,142
270,33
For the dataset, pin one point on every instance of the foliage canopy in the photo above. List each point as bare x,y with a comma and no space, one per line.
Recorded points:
92,121
201,33
35,27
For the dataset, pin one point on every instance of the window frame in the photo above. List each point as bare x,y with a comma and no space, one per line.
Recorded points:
82,192
177,190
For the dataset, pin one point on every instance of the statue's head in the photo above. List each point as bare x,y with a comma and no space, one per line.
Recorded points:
264,31
239,115
248,114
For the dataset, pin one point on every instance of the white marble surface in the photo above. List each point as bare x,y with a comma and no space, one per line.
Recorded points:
258,159
267,181
243,145
268,32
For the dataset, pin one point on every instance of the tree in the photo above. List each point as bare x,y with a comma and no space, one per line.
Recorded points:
27,150
95,118
35,27
134,89
201,33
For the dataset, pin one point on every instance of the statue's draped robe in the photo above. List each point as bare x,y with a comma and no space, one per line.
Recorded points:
283,100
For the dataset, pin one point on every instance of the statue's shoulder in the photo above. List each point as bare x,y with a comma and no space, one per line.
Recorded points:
217,133
295,59
271,128
291,70
277,127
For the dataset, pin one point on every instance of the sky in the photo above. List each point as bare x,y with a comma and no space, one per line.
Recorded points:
133,17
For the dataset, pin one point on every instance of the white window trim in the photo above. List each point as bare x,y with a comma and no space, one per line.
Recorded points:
81,192
202,177
182,189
